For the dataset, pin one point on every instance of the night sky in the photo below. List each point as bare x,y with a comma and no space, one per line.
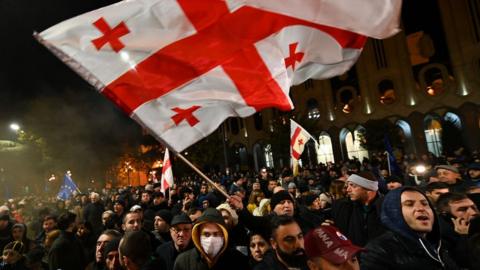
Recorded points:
83,128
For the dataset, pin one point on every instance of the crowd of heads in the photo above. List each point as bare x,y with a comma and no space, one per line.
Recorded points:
306,221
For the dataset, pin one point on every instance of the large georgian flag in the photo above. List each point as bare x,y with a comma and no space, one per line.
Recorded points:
181,67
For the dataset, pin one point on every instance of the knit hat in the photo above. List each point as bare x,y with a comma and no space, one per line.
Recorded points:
278,197
15,246
447,167
165,214
111,246
181,219
226,206
329,243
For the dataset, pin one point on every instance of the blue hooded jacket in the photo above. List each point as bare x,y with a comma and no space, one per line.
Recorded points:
392,217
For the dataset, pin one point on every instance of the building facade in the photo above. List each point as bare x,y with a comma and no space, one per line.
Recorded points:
425,81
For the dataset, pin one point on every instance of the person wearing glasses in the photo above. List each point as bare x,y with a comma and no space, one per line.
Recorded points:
181,234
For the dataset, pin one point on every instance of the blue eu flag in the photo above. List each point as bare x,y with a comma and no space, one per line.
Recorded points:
67,188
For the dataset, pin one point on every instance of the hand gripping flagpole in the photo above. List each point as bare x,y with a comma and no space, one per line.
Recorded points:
184,159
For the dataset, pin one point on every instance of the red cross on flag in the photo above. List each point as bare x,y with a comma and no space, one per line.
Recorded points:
181,67
298,138
167,174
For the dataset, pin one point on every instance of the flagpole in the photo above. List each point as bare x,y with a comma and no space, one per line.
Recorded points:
388,163
184,159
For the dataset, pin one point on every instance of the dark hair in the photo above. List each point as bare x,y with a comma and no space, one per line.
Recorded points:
435,185
193,210
48,217
368,175
445,199
278,221
65,219
136,246
112,233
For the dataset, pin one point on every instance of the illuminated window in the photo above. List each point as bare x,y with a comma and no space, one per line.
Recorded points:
433,135
268,155
354,143
325,149
313,112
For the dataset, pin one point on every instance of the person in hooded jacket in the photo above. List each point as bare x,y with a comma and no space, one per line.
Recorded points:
412,240
211,251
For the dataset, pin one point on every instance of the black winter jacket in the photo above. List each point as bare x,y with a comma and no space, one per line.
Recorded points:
359,223
401,248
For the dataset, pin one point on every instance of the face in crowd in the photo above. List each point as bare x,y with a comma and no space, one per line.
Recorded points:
417,212
48,225
464,209
288,243
258,247
181,235
285,207
356,192
447,176
132,222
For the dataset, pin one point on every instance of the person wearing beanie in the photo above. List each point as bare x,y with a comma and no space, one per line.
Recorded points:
181,234
394,182
358,215
12,256
451,176
161,224
211,251
412,240
237,234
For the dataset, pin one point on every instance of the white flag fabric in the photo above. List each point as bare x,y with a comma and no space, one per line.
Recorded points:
167,173
181,67
298,138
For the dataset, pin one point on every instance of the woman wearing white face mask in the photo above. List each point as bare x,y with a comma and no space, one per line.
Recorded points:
210,238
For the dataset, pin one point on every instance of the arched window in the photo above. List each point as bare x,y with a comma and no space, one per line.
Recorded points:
325,149
313,112
454,119
405,135
433,135
268,156
354,143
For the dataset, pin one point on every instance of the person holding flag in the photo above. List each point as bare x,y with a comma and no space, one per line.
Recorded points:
298,138
67,188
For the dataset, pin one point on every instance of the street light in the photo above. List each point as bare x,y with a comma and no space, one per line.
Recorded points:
15,127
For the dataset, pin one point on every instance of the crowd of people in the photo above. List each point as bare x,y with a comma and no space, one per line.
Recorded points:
349,215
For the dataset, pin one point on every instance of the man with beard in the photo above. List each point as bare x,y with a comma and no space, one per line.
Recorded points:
66,251
413,237
457,210
287,244
358,216
181,235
